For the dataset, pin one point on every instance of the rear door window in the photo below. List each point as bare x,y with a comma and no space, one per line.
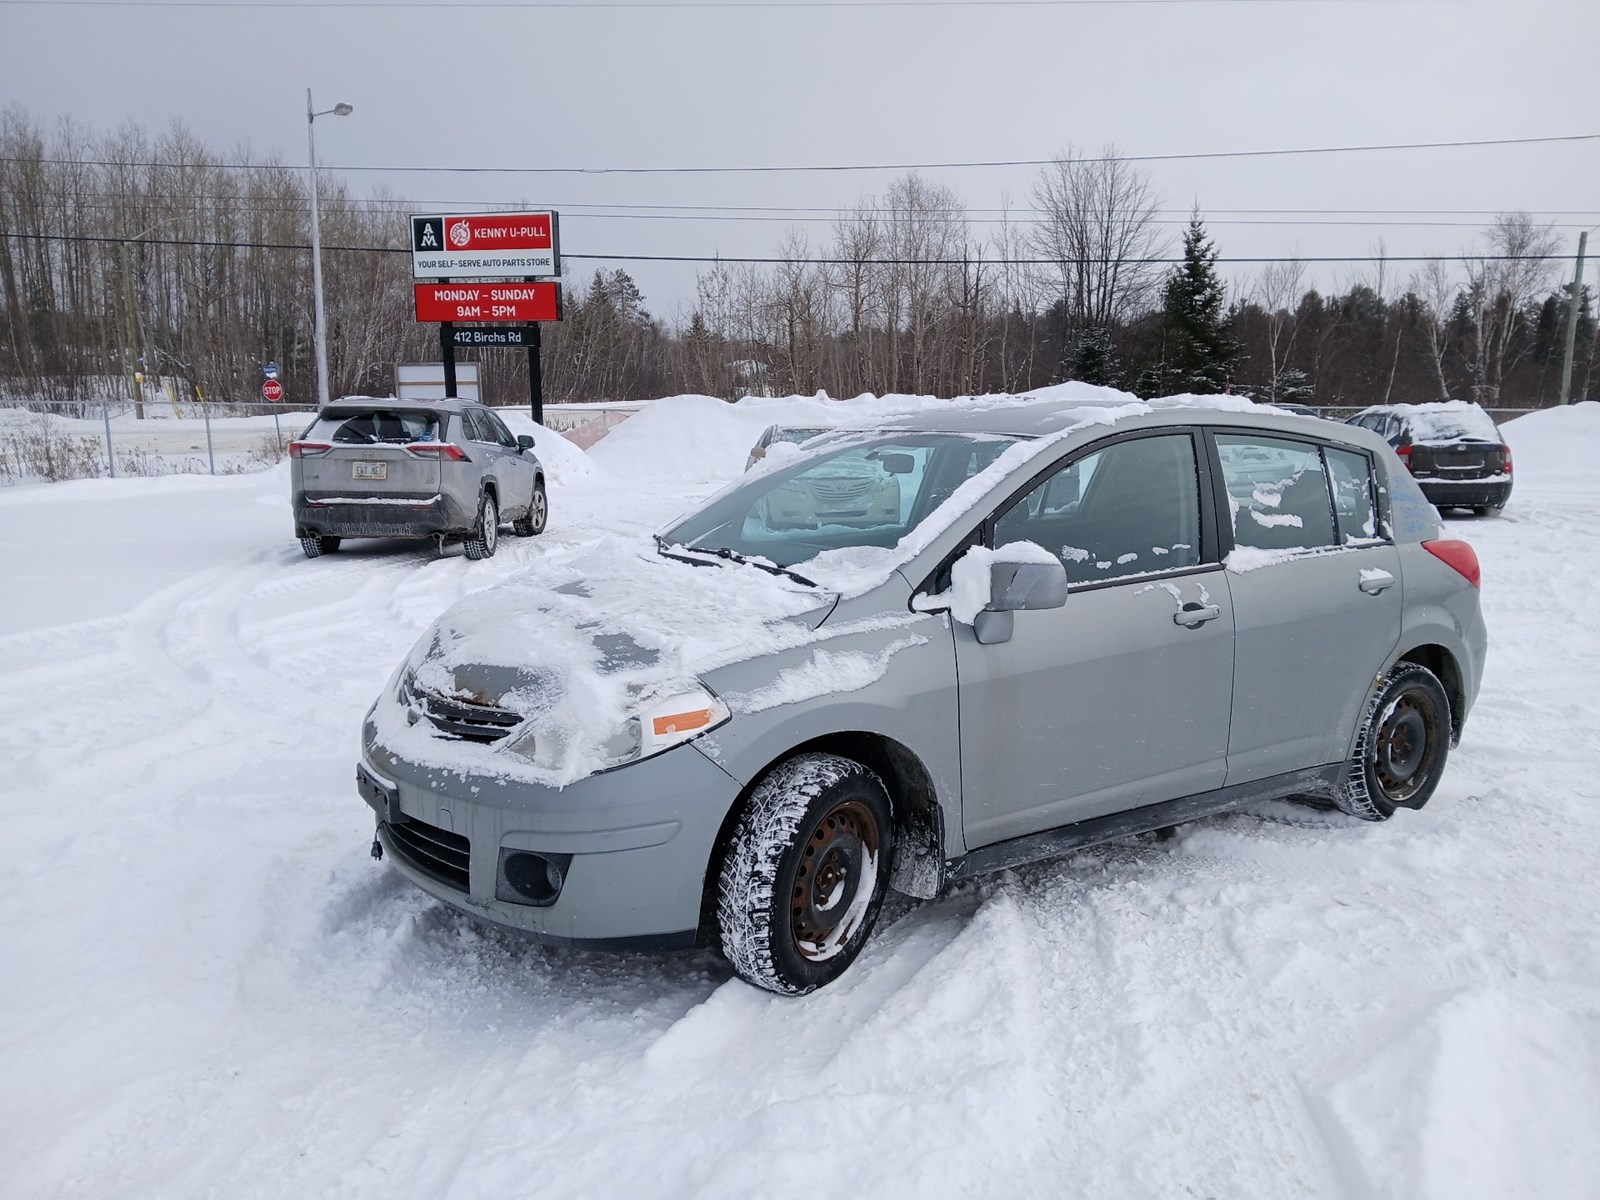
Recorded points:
1277,493
501,433
477,428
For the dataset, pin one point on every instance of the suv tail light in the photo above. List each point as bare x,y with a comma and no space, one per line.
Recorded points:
1403,453
1506,451
309,449
1459,556
439,450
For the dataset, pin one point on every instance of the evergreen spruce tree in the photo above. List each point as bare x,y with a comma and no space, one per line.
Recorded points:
1201,350
1094,359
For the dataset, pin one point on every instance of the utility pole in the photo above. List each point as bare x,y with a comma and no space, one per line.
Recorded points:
1573,303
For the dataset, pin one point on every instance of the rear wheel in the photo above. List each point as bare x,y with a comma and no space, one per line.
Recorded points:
538,513
1401,750
805,876
315,547
481,542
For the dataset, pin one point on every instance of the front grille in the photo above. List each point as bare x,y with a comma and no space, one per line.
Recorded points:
839,491
437,852
466,720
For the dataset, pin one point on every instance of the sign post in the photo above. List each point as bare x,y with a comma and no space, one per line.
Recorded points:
508,261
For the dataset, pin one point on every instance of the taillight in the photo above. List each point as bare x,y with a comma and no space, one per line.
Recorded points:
308,449
1459,556
1403,453
440,450
1506,470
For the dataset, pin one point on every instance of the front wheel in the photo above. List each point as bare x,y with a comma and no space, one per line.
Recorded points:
483,539
805,875
1402,747
538,513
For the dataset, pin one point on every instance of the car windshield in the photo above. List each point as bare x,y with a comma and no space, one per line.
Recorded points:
366,426
868,491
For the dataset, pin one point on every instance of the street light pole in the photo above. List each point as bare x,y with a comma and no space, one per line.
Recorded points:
321,336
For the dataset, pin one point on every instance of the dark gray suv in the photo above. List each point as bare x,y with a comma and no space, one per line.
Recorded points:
410,469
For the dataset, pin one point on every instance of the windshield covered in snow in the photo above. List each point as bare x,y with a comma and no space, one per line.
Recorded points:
869,490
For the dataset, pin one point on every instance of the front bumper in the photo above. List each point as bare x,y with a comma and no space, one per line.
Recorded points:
1466,493
633,844
400,516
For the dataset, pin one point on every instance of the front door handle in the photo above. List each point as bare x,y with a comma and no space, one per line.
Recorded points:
1374,582
1193,615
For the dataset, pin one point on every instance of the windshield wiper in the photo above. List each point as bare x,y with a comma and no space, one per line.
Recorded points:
725,553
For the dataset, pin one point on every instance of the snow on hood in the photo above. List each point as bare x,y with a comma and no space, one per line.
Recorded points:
578,644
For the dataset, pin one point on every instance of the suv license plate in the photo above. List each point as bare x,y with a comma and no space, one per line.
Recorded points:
369,470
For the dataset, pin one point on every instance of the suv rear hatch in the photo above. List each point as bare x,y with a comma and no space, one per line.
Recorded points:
373,452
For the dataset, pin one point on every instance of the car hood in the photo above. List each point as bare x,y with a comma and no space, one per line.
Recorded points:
575,647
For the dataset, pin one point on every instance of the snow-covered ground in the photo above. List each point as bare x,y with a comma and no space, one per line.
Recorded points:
208,989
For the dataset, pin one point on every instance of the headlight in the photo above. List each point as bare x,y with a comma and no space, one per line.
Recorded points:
665,724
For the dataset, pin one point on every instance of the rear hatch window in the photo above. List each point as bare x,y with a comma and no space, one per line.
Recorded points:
374,426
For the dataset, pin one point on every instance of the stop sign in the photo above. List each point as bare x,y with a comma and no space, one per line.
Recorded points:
272,390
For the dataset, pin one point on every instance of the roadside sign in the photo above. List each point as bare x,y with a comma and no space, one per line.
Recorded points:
271,390
485,245
468,337
269,370
425,381
518,302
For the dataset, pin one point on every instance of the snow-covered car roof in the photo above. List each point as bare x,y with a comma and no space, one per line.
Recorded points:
1023,417
1443,421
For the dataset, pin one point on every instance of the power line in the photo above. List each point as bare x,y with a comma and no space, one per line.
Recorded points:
843,167
974,261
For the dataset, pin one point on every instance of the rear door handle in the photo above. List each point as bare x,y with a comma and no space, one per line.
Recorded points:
1375,582
1192,615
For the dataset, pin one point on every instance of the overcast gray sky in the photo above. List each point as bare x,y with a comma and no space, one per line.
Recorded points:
759,84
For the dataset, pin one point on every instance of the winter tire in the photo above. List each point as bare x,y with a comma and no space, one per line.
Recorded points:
805,873
482,541
315,547
1402,747
532,522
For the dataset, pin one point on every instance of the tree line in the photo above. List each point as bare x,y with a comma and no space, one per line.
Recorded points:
129,254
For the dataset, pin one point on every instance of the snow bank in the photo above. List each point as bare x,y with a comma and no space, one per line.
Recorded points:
563,461
1556,446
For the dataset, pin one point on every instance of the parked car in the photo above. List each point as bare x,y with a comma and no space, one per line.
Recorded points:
1454,450
790,435
410,469
1077,626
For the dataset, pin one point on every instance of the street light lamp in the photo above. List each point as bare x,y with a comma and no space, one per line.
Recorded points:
338,110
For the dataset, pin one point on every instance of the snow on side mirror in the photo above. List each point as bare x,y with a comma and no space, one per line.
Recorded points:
988,586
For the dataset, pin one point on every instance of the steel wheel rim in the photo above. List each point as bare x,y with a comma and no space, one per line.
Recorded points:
1402,750
835,881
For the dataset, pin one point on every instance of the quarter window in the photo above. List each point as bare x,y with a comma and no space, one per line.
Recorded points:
1277,493
1132,508
1350,474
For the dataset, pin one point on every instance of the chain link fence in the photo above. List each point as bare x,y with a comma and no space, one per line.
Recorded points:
45,441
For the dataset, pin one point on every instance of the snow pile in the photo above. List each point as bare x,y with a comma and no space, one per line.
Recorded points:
1556,448
563,462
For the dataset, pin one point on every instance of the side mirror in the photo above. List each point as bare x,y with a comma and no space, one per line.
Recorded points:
897,463
524,441
1017,585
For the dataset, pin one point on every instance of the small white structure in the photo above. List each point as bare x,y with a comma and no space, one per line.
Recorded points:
425,381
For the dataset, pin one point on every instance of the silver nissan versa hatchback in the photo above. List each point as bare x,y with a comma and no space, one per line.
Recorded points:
1083,622
413,469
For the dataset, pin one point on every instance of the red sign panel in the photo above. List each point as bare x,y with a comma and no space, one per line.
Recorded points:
514,231
488,301
272,390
